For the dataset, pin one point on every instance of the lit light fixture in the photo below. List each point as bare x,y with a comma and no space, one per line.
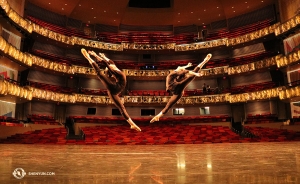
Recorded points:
66,4
49,3
79,4
246,2
217,7
192,12
232,7
233,11
92,8
204,9
62,8
178,13
104,11
94,17
199,19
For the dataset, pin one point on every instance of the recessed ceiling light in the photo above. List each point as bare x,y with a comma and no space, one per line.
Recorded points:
94,17
219,15
217,7
104,11
66,4
62,8
204,9
92,8
262,1
246,2
79,4
192,12
49,3
247,6
199,19
203,23
178,20
232,7
114,20
178,13
233,11
117,12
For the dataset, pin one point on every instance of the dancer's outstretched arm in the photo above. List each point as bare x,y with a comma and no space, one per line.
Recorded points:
183,67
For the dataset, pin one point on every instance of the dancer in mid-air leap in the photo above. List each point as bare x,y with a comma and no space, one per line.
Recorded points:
177,81
114,87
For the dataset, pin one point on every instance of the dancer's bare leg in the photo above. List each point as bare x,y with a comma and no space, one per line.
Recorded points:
133,125
118,103
172,101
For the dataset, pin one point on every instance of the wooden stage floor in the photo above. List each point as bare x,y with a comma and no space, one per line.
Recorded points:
232,163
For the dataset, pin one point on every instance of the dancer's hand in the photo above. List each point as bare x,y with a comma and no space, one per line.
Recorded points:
189,65
92,53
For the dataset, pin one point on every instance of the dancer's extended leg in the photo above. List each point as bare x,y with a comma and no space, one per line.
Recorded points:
104,79
172,101
117,101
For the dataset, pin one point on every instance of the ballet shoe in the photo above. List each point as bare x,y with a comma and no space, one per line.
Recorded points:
85,53
134,126
154,119
207,58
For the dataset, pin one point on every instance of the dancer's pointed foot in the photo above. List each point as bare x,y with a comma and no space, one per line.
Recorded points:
206,59
85,53
156,118
87,56
134,126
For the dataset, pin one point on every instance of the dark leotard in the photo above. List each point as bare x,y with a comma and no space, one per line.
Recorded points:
114,88
176,86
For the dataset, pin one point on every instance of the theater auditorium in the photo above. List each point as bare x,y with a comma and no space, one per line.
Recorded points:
91,91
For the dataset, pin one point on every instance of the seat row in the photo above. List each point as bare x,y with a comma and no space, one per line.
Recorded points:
274,135
45,136
250,58
143,120
224,33
153,135
58,29
261,118
153,37
8,119
250,87
42,119
146,38
51,87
